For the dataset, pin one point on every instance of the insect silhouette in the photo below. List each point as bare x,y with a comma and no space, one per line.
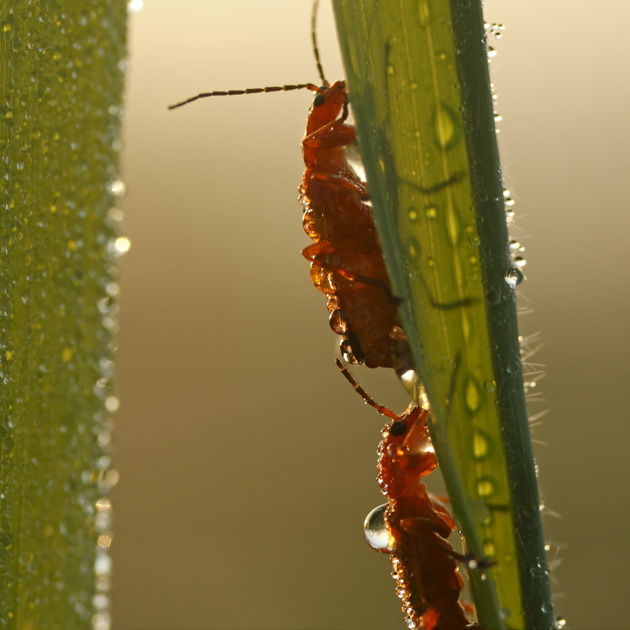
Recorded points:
346,259
417,524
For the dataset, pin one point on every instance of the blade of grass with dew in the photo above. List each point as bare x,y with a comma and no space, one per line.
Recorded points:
419,87
61,82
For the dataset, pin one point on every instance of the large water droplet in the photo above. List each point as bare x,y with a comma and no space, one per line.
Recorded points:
513,277
375,529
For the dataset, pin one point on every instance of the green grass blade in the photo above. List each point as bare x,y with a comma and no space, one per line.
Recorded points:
61,80
419,87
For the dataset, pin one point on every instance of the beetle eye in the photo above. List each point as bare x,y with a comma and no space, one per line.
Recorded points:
398,428
320,99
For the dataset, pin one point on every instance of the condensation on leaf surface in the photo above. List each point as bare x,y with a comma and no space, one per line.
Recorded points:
60,113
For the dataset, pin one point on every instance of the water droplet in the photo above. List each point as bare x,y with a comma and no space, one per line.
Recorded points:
519,262
514,277
561,623
485,487
112,403
546,607
492,53
133,6
475,241
507,200
445,127
453,226
430,212
102,564
116,187
481,444
122,245
493,297
513,367
514,246
472,395
375,529
412,213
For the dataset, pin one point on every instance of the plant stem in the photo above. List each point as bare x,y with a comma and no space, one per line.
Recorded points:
61,80
420,92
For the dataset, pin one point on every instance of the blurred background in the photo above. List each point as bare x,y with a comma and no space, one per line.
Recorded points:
247,463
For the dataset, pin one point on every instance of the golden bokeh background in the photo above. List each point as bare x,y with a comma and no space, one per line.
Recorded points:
247,463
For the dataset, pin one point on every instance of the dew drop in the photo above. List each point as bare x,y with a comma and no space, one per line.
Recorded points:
488,548
561,623
514,246
519,262
493,297
492,53
512,367
485,487
112,403
375,529
116,187
412,213
513,277
122,245
453,226
472,395
445,127
490,385
481,445
430,212
133,6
